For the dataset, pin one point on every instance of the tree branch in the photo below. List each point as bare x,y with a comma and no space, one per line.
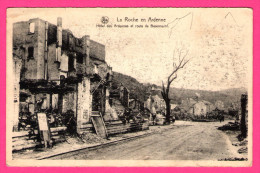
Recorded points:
163,86
163,92
173,79
181,64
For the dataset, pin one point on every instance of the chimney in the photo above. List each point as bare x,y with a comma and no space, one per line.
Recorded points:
86,44
59,39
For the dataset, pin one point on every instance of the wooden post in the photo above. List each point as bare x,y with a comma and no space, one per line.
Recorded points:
60,102
44,129
243,115
103,100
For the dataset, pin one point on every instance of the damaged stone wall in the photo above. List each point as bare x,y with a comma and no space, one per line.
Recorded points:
49,52
97,50
23,38
83,103
53,65
17,65
110,112
69,102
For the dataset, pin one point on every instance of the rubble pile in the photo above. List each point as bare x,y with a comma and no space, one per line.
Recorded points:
229,126
243,150
242,143
92,138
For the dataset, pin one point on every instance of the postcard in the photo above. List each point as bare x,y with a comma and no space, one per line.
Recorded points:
129,87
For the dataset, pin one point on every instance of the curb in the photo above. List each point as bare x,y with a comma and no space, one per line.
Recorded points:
95,146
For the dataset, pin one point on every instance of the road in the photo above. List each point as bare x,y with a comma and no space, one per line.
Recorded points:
184,141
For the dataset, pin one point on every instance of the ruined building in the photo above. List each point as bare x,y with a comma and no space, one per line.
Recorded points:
57,72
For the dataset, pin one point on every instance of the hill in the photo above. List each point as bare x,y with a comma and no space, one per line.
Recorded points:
137,89
227,96
141,91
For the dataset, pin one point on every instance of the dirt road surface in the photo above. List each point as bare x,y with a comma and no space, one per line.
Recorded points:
184,141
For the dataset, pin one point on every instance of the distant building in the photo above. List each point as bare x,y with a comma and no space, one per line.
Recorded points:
156,102
120,93
187,104
136,105
201,108
219,105
173,106
196,107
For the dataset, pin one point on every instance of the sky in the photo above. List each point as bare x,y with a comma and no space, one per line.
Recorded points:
217,41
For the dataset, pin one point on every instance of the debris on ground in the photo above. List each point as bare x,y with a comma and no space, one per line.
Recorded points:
243,150
241,143
234,159
92,138
73,140
229,126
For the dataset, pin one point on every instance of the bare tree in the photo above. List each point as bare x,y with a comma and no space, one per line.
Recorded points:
180,54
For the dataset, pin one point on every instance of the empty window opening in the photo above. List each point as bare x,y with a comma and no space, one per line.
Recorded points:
107,77
32,27
80,58
71,63
30,52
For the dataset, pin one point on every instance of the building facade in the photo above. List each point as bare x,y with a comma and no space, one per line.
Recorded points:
57,72
201,108
154,101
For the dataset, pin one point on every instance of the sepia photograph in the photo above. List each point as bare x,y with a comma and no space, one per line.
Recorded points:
129,87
